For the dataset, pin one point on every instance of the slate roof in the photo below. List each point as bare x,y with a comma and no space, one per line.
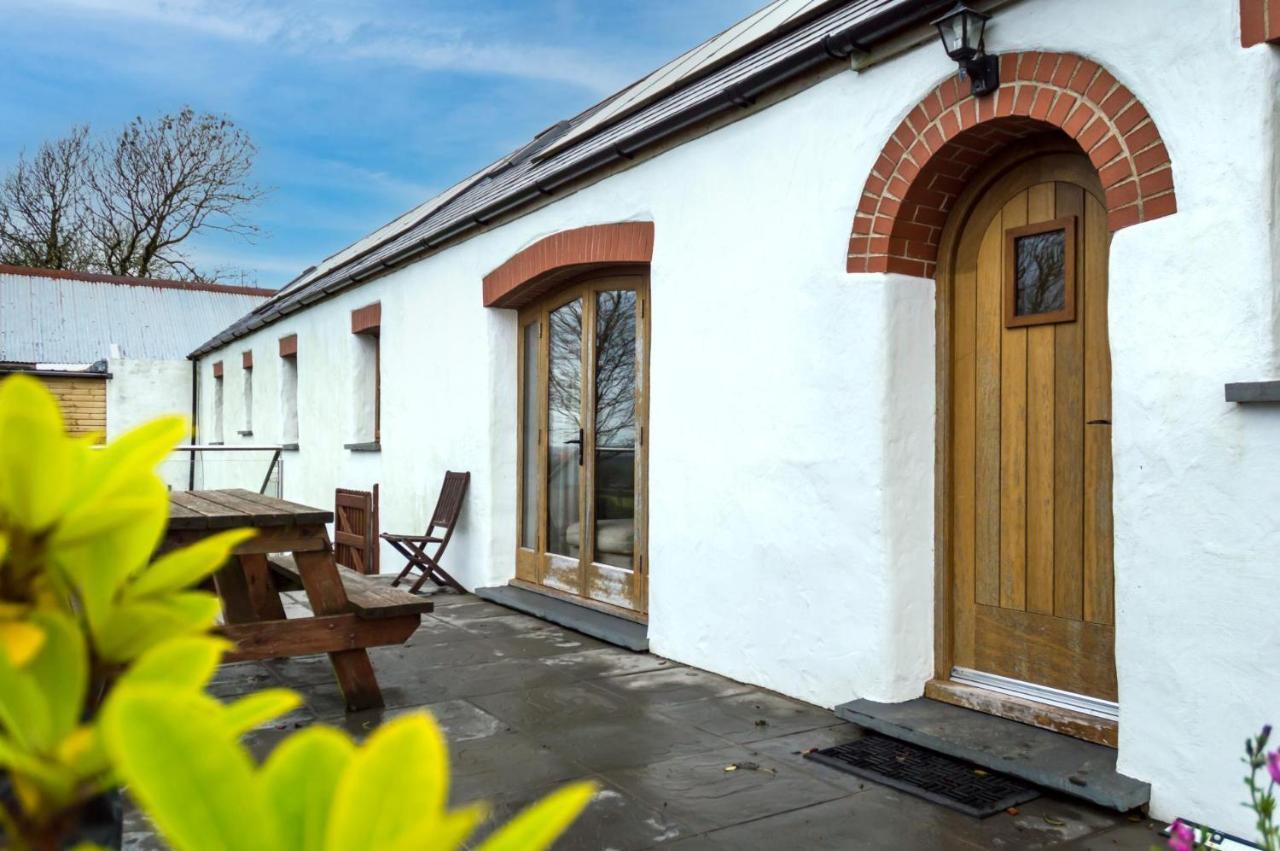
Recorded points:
782,41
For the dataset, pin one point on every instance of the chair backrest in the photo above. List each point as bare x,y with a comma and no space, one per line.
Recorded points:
355,529
449,505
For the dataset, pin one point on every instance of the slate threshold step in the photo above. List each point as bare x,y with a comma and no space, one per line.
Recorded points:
606,627
1047,759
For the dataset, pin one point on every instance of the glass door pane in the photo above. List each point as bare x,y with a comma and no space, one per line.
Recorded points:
564,429
529,447
615,428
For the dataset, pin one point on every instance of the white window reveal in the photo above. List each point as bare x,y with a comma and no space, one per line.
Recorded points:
247,363
366,390
289,390
217,403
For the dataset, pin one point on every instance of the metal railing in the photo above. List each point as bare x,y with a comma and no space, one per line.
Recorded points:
207,467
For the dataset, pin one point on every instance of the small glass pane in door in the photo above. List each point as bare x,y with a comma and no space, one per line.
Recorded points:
1040,273
564,429
615,428
529,425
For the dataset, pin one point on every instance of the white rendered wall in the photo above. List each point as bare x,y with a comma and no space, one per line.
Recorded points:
140,390
793,410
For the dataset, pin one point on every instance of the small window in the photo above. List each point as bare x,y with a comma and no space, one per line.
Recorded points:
217,404
366,333
1040,273
289,399
247,431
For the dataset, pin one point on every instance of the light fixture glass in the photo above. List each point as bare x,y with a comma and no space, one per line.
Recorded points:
961,30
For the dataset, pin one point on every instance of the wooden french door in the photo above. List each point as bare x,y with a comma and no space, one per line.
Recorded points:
582,444
1029,452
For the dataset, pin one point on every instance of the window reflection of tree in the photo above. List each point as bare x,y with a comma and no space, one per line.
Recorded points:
615,390
564,384
564,419
1041,273
615,411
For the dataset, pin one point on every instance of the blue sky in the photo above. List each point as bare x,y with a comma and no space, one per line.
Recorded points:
359,110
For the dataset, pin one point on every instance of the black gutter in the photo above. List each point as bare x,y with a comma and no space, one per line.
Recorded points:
832,47
195,418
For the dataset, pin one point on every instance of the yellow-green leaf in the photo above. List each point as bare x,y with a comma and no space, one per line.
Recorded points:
446,835
24,708
61,671
407,753
136,452
98,565
196,783
182,664
299,779
17,760
132,627
258,708
183,568
538,825
35,455
20,641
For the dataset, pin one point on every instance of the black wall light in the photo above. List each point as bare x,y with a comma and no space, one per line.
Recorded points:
961,30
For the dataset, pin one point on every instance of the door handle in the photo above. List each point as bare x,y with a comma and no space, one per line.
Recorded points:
578,441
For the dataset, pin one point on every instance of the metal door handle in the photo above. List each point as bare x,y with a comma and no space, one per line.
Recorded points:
578,441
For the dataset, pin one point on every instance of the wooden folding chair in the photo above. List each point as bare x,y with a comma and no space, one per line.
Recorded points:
444,518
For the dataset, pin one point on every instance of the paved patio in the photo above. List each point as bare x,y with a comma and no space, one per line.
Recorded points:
527,706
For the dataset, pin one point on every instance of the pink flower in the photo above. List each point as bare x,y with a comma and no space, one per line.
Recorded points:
1181,837
1273,766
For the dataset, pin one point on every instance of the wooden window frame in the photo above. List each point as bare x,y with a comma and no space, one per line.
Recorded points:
531,563
1066,224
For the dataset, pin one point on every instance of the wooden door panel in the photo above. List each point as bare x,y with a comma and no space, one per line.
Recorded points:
1041,387
964,401
989,329
1068,442
1013,440
1065,654
1029,458
1098,569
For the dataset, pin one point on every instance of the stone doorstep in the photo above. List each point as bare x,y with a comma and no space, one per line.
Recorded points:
1051,760
614,630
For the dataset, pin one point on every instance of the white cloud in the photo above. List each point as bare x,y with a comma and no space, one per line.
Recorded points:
342,32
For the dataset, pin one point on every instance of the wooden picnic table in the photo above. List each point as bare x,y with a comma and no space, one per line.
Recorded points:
351,613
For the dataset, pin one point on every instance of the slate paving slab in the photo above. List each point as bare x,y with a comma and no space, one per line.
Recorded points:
697,790
613,820
605,744
752,716
548,707
527,706
672,687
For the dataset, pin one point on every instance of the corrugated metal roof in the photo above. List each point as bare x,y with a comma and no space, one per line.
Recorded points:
55,318
787,37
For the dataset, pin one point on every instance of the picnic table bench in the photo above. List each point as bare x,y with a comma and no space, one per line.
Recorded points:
351,612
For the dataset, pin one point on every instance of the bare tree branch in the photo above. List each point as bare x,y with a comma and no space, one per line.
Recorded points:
43,206
128,206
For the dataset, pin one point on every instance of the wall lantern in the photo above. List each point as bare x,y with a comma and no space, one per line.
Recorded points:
961,30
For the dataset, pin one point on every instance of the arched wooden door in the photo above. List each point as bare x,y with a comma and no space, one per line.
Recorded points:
1029,452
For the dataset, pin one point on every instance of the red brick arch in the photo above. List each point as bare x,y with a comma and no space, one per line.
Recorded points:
950,135
538,268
